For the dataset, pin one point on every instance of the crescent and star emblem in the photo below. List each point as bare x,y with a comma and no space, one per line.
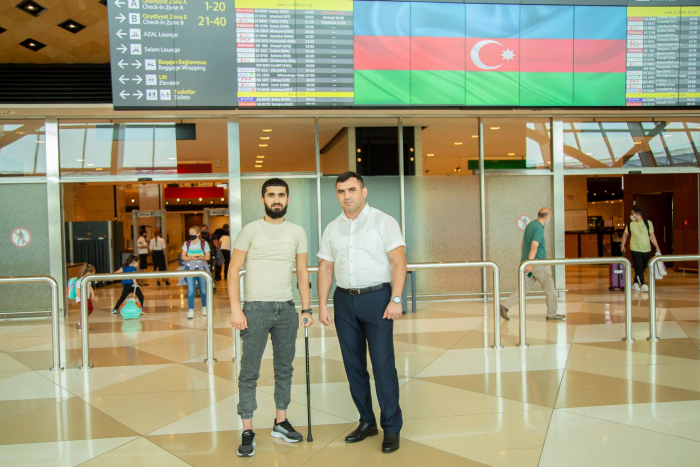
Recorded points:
507,54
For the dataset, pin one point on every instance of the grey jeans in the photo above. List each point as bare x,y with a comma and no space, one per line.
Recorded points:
543,275
281,321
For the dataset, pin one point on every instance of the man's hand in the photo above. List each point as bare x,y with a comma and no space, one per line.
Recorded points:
238,320
393,311
324,316
528,269
308,318
622,248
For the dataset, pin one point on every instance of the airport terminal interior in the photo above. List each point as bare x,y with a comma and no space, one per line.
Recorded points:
462,156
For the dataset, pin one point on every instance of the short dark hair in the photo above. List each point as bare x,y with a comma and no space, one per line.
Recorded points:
226,227
344,177
637,211
274,182
204,225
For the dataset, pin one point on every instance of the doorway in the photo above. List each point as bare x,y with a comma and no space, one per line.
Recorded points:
658,208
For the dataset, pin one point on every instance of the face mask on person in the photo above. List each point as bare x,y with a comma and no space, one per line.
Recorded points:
193,237
205,234
548,221
633,217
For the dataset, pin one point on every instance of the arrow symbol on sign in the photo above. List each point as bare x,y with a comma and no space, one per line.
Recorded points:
137,78
123,79
120,34
118,3
122,63
122,48
121,17
138,94
137,64
123,94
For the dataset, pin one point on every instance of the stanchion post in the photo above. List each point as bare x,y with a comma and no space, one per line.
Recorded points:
84,321
628,302
210,318
496,307
521,290
55,321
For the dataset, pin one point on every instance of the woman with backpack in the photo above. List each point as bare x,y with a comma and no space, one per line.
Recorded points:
641,233
195,255
158,250
129,286
74,289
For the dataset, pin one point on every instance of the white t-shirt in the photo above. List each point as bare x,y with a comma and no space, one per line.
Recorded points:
359,248
157,244
143,246
195,248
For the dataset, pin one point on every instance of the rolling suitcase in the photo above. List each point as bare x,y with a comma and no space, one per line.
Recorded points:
616,279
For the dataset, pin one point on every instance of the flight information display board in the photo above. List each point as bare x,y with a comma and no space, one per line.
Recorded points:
355,53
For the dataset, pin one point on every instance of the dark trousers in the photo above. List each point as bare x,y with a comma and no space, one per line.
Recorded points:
359,323
640,261
143,261
159,263
227,259
126,291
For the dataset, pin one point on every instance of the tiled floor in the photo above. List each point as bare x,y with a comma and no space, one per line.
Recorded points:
578,396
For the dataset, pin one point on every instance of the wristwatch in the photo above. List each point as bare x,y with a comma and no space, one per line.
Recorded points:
396,300
307,311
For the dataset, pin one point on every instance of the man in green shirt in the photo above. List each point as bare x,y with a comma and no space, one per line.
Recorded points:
533,247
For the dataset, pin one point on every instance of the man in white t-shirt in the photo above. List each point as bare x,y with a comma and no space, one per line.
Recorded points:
269,248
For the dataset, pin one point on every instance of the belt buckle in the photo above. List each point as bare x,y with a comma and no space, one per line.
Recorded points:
355,292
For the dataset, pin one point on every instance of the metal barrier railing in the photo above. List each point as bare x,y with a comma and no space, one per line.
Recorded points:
148,275
566,261
652,288
55,337
417,267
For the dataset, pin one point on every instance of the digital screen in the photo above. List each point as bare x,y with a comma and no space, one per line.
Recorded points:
345,53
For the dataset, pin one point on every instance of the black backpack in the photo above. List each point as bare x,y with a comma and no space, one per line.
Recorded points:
646,223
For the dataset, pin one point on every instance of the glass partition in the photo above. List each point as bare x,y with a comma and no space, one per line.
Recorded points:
512,202
122,147
22,148
517,143
599,143
445,146
278,145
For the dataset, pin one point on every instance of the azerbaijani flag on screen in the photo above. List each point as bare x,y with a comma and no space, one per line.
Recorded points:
600,35
382,53
492,55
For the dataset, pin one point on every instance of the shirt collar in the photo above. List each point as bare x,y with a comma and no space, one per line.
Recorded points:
362,213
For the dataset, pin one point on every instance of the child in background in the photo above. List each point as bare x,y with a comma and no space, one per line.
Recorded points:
129,286
87,270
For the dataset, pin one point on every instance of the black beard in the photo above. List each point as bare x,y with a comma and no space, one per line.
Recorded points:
272,214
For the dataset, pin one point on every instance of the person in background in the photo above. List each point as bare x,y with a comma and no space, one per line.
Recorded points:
641,233
196,254
87,270
157,247
211,241
225,245
142,245
533,247
129,286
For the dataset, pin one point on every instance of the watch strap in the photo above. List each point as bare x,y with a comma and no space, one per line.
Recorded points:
307,311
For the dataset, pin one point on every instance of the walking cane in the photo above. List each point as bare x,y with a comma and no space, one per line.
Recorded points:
308,381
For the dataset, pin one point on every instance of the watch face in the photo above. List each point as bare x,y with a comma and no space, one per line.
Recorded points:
397,299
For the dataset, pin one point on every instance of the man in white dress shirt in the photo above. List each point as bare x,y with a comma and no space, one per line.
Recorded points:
367,252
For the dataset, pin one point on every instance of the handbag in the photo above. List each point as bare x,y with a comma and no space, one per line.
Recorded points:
659,269
131,308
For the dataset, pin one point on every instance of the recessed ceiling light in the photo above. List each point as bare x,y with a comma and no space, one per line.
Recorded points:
264,137
178,200
412,159
359,159
99,169
222,199
200,199
431,155
33,45
258,166
80,160
263,145
260,157
133,200
41,141
267,130
667,135
31,7
72,26
21,132
458,143
475,136
411,149
167,203
589,153
359,150
2,29
511,153
172,158
90,165
211,202
189,202
637,142
495,127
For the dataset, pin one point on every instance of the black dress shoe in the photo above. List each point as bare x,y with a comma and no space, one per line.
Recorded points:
361,432
391,442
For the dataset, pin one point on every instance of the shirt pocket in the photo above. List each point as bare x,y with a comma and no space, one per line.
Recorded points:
367,240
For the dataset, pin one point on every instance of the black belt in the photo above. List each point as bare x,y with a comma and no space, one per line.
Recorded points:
373,288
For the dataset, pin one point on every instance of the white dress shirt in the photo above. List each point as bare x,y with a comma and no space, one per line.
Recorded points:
359,248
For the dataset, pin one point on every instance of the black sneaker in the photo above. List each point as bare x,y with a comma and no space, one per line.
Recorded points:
286,431
247,446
